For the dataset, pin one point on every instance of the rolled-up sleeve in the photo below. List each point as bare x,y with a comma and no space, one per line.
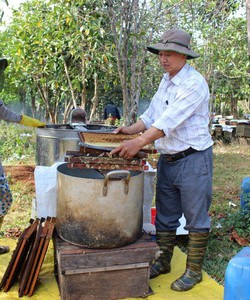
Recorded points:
180,109
146,120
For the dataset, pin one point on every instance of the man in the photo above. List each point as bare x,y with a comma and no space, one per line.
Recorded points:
111,113
9,116
177,120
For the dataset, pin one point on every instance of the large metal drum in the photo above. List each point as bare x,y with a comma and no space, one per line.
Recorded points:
99,211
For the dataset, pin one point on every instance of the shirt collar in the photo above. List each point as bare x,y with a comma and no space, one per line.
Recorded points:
178,78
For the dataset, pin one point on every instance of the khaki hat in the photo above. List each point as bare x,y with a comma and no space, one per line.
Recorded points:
176,40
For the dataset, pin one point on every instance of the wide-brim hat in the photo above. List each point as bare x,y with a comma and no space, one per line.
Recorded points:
176,40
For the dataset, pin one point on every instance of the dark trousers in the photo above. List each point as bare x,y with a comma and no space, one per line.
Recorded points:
184,187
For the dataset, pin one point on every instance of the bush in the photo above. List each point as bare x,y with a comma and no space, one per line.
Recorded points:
239,221
230,231
17,143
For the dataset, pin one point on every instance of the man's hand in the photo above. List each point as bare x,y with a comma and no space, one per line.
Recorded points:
128,148
122,129
133,129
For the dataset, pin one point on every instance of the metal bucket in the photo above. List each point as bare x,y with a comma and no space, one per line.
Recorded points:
99,211
53,141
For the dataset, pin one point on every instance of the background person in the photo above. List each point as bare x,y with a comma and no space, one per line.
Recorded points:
5,193
111,114
178,121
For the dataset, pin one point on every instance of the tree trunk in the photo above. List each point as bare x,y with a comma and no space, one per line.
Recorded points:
129,18
33,103
248,35
50,112
234,110
84,91
94,100
248,25
212,94
73,98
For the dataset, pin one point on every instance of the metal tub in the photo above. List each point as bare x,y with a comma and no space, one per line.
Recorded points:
99,211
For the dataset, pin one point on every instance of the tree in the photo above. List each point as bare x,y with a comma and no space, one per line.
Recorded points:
218,35
248,24
64,53
133,23
60,48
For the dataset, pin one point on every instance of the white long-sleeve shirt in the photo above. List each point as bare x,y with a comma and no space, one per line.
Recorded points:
180,108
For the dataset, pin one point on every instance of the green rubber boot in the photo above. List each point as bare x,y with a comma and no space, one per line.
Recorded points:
197,246
166,242
3,249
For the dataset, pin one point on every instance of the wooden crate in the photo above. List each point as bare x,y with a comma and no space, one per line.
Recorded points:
104,274
243,130
227,136
218,131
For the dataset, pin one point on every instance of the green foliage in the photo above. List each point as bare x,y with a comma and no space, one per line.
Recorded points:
17,144
231,165
237,219
57,49
222,246
57,53
219,252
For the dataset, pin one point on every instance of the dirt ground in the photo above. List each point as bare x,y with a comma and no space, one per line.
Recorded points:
21,174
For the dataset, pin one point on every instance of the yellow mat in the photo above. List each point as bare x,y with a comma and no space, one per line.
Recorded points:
47,289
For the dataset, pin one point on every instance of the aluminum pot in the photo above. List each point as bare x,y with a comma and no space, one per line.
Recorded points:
53,141
99,211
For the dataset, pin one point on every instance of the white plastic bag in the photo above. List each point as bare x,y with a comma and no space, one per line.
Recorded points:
46,190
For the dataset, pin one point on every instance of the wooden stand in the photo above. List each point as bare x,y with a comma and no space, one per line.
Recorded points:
243,130
104,274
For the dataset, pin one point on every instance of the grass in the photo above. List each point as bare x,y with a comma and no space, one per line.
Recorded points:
231,165
17,147
20,211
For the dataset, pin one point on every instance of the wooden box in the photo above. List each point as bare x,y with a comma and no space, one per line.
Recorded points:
227,136
104,274
218,131
243,130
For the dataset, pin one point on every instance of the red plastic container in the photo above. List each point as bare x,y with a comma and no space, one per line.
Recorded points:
153,215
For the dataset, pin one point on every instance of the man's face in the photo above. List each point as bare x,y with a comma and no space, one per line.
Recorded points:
172,62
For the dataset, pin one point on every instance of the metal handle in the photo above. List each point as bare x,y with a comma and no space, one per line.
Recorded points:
116,175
